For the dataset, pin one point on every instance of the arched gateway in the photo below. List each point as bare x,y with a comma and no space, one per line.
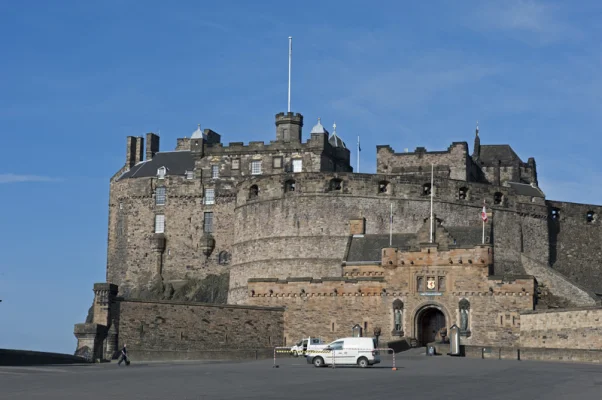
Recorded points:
428,321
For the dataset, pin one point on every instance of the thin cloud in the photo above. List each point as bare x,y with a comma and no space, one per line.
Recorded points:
16,178
544,23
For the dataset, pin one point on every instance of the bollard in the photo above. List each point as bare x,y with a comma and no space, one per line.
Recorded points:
394,367
275,366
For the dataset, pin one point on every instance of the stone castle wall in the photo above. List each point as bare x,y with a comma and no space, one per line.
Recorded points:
132,262
576,244
578,328
329,308
171,330
456,159
304,233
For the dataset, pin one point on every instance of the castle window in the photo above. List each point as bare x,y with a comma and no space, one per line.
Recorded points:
383,187
590,216
161,171
463,193
214,171
297,165
253,192
189,174
498,198
555,214
426,189
289,186
256,167
236,163
209,196
159,223
223,258
277,162
160,196
208,222
336,184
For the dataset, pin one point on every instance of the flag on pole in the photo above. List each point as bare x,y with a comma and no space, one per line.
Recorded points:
484,213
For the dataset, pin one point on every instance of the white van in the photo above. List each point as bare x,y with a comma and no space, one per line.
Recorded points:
359,351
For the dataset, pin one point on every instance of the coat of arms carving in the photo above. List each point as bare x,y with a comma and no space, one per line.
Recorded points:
430,283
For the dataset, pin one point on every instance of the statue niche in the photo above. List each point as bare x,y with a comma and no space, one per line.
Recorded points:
464,307
397,318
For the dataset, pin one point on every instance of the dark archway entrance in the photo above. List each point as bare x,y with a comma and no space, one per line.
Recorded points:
430,321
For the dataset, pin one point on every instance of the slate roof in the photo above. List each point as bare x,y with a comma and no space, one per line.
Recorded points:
176,162
524,189
336,141
368,248
490,153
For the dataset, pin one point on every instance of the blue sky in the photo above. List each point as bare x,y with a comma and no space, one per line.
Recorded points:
78,77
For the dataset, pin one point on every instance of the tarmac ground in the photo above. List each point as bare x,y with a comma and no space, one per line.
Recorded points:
417,377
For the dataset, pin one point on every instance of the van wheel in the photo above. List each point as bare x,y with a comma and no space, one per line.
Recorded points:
363,362
318,362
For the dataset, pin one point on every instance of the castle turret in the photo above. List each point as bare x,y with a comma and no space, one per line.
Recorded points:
288,127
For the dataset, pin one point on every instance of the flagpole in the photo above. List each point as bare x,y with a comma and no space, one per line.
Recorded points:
483,219
290,56
432,188
358,154
391,227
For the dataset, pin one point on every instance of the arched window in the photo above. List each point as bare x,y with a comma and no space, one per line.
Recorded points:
253,192
426,189
223,258
498,198
383,187
463,193
336,185
590,216
289,186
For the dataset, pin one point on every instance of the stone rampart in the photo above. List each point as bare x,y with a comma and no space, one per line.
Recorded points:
577,328
310,225
559,284
161,330
455,159
576,242
330,307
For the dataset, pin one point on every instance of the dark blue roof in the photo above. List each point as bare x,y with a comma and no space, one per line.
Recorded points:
176,163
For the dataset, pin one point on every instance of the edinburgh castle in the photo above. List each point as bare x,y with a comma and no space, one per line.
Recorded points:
214,246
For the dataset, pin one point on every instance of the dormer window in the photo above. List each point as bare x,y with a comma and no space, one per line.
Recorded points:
161,171
189,175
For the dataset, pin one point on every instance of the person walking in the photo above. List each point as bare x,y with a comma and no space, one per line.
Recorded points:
124,356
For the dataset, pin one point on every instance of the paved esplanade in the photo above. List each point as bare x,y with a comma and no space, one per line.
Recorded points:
417,377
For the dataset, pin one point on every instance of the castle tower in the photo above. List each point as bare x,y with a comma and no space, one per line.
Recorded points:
288,127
